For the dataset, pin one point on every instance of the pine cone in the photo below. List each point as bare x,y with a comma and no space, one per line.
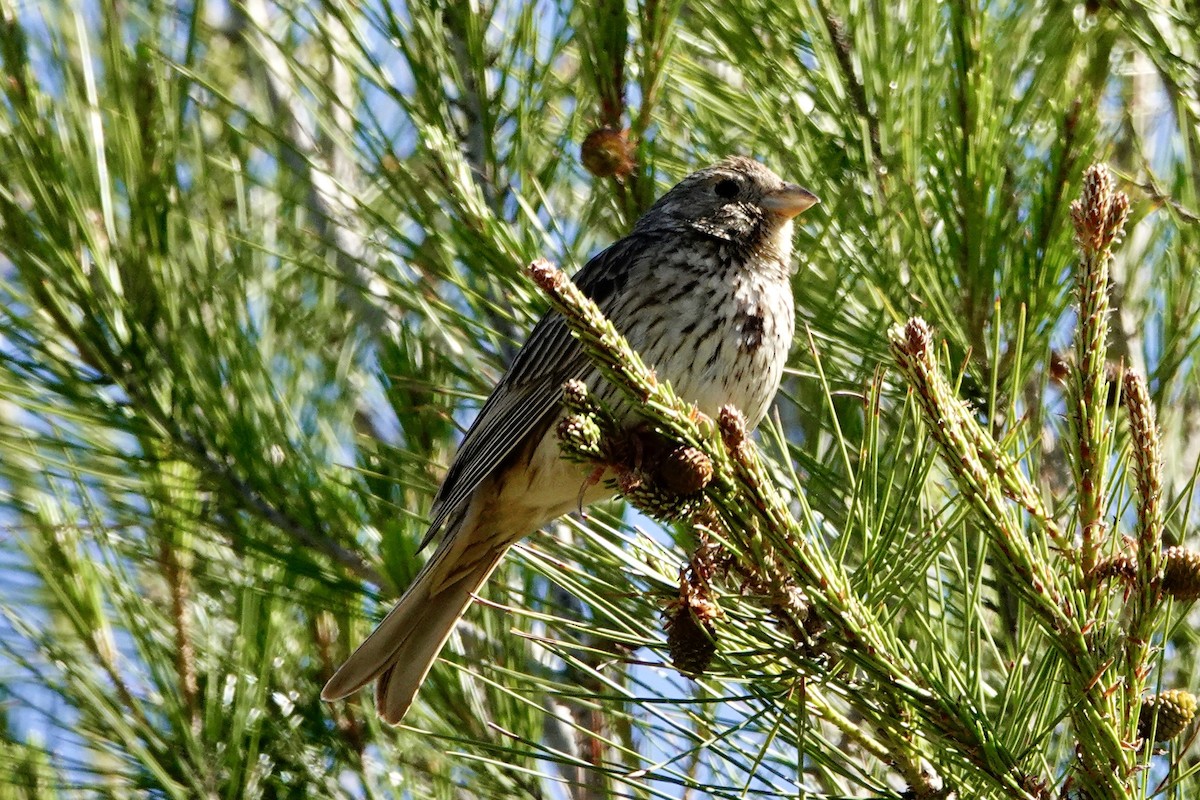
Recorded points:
686,470
607,153
1174,709
691,635
691,643
1123,567
1181,574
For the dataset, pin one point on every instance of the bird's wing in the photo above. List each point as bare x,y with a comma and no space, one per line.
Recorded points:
528,395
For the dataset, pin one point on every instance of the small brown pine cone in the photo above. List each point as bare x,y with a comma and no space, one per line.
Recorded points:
1181,574
1174,709
1123,567
685,470
691,643
607,153
733,430
691,635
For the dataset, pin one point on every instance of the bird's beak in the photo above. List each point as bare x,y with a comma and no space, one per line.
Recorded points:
790,200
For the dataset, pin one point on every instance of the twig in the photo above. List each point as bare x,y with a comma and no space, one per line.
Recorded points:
185,655
843,51
1145,604
1099,218
1160,197
253,500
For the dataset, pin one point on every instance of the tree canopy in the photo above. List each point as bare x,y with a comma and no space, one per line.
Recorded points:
261,262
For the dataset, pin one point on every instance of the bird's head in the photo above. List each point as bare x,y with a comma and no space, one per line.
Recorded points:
737,199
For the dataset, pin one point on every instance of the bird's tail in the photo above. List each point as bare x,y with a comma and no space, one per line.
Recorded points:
400,652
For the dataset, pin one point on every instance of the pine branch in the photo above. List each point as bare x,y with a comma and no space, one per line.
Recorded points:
763,536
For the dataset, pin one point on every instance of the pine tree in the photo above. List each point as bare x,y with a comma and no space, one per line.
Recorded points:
260,263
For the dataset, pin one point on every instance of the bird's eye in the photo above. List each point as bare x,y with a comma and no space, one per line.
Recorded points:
726,188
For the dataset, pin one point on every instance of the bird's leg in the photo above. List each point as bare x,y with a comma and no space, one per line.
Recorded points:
596,475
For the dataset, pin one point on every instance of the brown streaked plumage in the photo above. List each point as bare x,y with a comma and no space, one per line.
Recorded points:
701,289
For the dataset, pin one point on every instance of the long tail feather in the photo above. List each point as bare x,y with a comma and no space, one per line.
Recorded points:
401,651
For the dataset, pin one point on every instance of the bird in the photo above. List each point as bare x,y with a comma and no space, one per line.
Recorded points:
701,289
